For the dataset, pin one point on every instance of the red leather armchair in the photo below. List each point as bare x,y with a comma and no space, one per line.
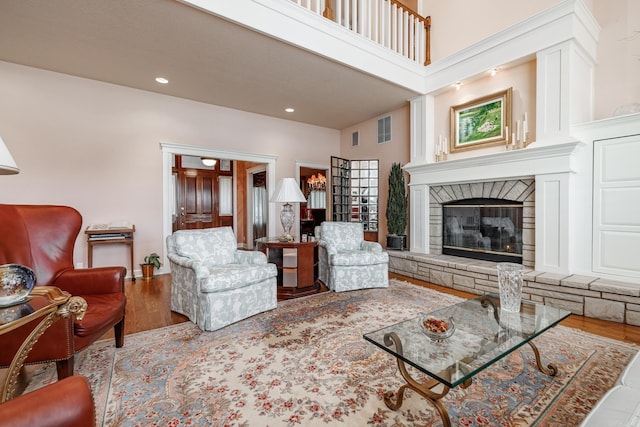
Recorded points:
66,403
42,237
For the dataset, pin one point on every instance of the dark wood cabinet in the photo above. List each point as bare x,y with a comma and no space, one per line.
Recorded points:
297,264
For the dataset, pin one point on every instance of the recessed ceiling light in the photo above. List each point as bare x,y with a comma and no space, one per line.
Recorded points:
493,71
458,84
162,80
289,110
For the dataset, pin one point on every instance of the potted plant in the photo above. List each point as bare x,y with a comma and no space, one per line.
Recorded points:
396,209
151,261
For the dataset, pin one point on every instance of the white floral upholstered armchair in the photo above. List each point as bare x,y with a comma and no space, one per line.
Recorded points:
347,261
213,283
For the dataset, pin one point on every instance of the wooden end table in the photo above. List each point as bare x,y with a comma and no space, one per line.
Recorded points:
297,264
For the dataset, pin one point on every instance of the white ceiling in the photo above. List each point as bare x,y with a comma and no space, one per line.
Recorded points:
207,59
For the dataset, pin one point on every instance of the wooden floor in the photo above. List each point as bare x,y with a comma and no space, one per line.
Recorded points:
148,307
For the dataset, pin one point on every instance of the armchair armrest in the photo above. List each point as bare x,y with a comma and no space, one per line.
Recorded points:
92,281
250,257
371,246
200,270
331,249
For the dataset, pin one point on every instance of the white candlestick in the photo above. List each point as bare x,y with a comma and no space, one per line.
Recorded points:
525,125
513,139
446,146
518,130
506,134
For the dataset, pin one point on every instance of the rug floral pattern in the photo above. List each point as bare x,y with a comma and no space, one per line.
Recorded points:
306,364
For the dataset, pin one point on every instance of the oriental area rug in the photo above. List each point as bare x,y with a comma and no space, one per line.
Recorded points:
307,364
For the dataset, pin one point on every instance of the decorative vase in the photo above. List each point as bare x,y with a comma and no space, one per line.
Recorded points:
510,286
16,281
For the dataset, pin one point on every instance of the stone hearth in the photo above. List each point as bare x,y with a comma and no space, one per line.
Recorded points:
520,190
584,295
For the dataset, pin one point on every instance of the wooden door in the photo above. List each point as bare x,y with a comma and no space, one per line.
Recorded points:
197,206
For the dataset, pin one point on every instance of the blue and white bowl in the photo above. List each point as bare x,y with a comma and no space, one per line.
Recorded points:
16,282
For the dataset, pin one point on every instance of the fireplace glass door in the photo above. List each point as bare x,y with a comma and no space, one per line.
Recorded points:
489,229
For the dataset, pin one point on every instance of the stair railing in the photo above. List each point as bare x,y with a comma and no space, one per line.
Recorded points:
386,22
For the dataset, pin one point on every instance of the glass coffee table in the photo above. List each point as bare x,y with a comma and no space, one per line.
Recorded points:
483,335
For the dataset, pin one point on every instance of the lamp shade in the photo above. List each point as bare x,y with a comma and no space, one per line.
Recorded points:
7,164
287,191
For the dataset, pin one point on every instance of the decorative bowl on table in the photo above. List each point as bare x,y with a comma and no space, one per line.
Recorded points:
16,282
436,329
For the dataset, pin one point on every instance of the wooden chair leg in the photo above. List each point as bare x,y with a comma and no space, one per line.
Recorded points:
65,368
118,330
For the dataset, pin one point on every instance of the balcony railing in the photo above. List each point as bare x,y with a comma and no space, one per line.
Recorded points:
386,22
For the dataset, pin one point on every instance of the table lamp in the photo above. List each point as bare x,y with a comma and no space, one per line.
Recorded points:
287,192
7,164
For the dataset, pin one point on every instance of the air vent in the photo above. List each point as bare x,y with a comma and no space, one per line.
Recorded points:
384,130
355,139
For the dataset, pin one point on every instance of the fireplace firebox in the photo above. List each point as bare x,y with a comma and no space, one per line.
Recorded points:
488,229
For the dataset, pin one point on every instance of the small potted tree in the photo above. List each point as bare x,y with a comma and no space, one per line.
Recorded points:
151,261
396,209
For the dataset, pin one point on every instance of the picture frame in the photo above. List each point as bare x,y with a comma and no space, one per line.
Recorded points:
225,165
482,122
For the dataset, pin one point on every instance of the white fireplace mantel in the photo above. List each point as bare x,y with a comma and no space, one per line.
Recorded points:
557,170
527,162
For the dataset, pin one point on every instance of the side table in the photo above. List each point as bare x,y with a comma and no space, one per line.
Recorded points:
47,303
297,264
110,236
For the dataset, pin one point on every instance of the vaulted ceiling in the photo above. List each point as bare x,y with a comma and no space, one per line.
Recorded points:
205,58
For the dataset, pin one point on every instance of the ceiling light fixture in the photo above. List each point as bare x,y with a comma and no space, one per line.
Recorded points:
458,84
493,71
289,110
162,80
207,161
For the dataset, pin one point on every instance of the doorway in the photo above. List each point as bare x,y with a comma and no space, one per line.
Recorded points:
257,205
169,150
203,192
313,183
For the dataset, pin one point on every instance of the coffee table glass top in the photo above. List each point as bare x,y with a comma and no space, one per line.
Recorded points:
483,334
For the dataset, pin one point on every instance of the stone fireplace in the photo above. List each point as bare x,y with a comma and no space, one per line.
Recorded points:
491,220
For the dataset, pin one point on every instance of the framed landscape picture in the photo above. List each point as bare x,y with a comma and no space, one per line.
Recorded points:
481,122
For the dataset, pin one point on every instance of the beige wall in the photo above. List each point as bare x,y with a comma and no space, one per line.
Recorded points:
617,75
618,54
522,80
395,151
456,24
95,146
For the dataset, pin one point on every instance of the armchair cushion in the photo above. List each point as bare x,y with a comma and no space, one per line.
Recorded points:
359,258
250,257
215,245
103,311
343,236
231,276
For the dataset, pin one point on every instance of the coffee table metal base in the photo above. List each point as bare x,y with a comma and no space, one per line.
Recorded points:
426,388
